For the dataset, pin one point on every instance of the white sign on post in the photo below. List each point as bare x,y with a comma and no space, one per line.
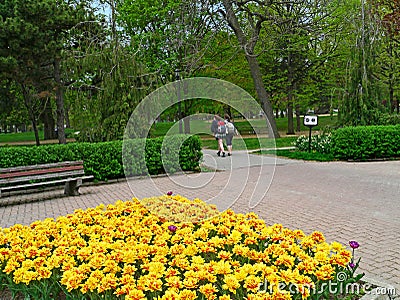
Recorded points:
310,120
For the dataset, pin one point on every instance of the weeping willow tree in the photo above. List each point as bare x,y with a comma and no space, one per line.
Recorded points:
362,99
107,83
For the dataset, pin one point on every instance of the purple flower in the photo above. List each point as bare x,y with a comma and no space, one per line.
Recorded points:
169,193
354,244
352,265
172,228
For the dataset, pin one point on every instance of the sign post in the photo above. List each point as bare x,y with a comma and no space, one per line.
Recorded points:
310,122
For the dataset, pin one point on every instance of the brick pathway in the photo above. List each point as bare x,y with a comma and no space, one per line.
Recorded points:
346,201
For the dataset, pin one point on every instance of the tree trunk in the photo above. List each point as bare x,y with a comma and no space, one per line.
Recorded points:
59,103
35,130
28,104
48,122
254,67
391,98
290,118
263,96
298,119
290,96
186,124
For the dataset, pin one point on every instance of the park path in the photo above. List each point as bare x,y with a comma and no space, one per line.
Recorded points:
345,201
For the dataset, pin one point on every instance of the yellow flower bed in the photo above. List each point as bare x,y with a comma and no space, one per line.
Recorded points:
179,209
124,251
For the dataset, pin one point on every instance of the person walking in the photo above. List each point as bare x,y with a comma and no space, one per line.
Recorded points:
218,128
231,131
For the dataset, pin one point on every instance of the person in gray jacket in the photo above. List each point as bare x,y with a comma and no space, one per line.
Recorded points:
231,131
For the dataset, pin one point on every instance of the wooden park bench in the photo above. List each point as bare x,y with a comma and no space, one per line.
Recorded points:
70,173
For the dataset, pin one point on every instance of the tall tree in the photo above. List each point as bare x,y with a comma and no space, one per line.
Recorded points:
304,36
171,37
389,58
106,81
363,88
32,38
247,34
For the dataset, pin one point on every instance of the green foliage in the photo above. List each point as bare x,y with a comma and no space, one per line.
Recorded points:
33,40
366,142
382,118
102,113
104,160
167,34
363,88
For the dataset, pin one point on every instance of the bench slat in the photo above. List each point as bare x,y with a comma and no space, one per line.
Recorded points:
38,184
42,166
24,173
71,173
42,176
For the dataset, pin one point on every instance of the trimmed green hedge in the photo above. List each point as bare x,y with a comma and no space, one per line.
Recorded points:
366,142
105,160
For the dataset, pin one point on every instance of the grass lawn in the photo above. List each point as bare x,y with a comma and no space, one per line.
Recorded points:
244,141
29,136
19,137
245,127
295,154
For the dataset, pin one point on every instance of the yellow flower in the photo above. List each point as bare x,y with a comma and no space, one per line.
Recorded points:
222,267
72,279
176,249
321,257
307,242
230,283
108,282
90,284
100,249
308,265
43,272
240,250
325,272
174,282
317,237
224,255
135,294
234,238
190,283
250,241
156,268
304,290
209,291
169,295
191,250
252,283
287,276
335,246
187,295
341,259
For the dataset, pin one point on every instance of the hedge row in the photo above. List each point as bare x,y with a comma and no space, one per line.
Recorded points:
105,160
366,142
